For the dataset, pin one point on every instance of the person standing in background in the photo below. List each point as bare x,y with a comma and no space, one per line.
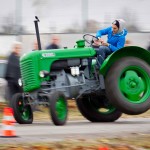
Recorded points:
127,43
13,72
35,46
54,43
148,48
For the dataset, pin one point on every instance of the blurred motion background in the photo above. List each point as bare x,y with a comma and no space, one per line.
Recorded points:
69,19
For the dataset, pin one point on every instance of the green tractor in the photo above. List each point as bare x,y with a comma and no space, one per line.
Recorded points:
50,77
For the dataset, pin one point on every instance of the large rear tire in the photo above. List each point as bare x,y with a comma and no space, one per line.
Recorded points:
97,109
58,108
22,113
128,85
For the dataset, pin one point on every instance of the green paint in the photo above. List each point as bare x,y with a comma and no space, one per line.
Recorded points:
124,52
25,113
134,84
110,109
35,61
61,108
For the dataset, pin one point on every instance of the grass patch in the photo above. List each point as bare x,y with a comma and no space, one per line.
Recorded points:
73,112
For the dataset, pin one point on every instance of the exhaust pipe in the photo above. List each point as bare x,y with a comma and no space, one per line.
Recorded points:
37,32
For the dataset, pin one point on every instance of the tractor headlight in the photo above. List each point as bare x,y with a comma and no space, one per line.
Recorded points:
43,73
20,82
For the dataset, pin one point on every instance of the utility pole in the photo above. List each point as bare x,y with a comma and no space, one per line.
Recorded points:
84,15
18,19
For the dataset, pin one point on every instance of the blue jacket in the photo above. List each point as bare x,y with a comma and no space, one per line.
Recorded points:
116,41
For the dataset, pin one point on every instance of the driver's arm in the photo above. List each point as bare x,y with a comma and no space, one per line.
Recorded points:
103,32
120,45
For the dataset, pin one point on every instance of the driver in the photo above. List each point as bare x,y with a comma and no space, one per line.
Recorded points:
116,39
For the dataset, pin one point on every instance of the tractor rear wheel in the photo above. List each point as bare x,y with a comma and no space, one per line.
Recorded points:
97,109
128,85
22,113
58,108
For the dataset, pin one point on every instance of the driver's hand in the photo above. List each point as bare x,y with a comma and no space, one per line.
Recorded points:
100,39
97,43
105,44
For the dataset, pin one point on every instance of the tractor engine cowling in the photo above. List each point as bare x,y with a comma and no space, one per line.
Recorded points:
48,60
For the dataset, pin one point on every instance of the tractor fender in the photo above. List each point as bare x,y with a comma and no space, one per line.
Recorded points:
134,51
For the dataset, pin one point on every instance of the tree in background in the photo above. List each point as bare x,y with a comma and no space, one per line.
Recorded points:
74,28
8,26
131,19
92,26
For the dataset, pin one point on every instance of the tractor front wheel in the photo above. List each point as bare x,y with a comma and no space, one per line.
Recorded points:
58,108
22,113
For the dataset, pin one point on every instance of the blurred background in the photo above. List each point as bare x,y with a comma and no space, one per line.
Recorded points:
70,19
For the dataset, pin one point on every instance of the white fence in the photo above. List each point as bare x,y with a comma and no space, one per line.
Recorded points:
66,40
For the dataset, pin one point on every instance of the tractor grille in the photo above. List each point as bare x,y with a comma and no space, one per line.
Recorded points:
29,74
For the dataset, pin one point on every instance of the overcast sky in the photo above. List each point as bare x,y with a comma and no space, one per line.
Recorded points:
59,14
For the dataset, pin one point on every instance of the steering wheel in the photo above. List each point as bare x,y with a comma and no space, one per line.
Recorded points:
89,38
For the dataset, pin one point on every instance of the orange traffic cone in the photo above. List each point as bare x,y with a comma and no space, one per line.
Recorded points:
103,148
8,123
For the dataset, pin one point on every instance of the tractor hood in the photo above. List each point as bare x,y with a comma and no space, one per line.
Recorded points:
61,53
32,63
